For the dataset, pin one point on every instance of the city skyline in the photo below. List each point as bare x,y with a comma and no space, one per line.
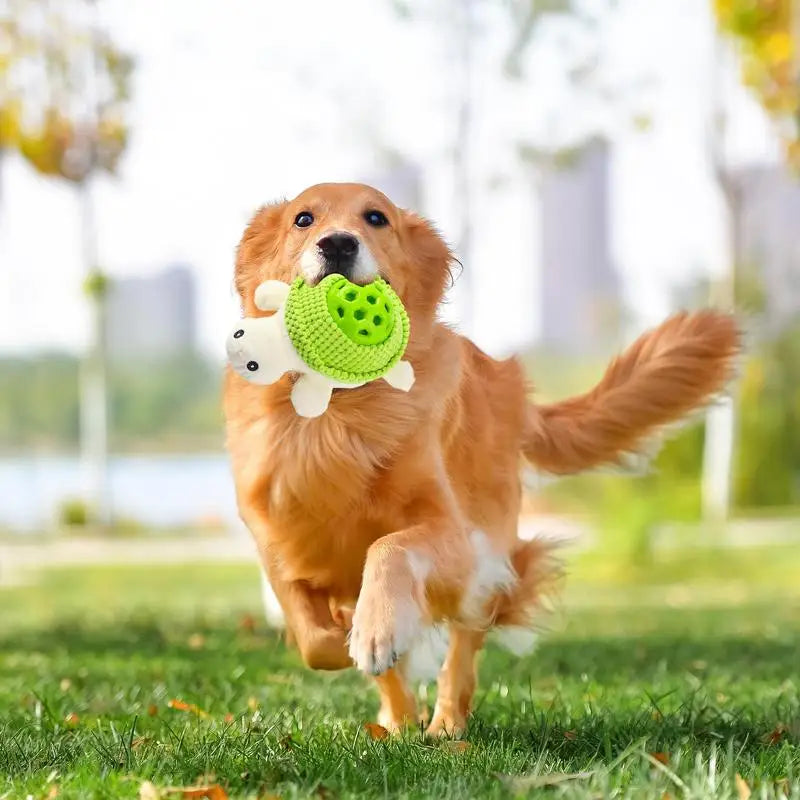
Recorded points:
191,178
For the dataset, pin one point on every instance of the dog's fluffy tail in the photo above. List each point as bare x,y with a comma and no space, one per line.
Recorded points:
665,374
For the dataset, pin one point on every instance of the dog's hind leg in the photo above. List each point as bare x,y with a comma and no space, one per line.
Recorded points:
457,681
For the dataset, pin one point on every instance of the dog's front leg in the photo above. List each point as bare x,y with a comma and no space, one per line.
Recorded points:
410,576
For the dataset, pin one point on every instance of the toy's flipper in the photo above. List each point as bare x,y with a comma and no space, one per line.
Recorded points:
400,376
311,395
270,294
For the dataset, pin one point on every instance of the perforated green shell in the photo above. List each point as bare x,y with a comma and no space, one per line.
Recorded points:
348,332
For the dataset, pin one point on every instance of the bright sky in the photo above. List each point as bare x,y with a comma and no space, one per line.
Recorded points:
237,103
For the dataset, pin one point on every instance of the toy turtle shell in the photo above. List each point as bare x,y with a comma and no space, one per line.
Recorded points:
351,333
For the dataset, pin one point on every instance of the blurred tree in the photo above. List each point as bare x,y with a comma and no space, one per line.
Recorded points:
767,35
168,403
64,88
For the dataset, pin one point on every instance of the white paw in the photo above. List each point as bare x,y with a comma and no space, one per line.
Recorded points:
384,629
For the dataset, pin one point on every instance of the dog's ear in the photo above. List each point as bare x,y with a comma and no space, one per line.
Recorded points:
260,242
430,260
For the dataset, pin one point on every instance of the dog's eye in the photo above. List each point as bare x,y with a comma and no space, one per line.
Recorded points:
304,219
252,366
376,218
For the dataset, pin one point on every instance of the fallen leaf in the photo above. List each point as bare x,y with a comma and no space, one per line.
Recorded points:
72,719
140,741
65,684
376,731
197,641
152,710
571,735
662,758
213,792
742,788
522,782
774,736
148,791
247,623
456,746
181,705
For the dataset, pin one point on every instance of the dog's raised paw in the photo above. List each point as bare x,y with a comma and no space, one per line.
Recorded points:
385,626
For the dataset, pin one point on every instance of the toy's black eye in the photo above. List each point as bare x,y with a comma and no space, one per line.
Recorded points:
252,365
238,334
376,218
304,219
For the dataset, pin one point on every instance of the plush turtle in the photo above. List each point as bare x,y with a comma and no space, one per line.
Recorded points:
336,334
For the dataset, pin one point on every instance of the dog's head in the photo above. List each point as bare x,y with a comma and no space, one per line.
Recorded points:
349,229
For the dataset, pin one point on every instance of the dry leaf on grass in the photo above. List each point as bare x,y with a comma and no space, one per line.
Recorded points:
148,791
152,710
571,735
742,788
520,783
456,745
247,623
662,758
140,741
774,736
181,705
375,731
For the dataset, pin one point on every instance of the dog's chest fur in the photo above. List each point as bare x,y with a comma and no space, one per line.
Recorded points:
329,488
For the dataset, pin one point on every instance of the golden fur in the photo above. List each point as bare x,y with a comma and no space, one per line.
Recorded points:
366,517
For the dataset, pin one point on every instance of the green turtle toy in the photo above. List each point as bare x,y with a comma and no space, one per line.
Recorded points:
337,335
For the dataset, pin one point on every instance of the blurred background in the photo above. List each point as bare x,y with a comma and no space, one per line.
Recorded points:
595,165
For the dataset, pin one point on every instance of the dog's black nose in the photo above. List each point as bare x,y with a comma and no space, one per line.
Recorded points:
339,251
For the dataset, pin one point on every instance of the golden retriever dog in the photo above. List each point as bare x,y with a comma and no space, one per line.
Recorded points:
394,510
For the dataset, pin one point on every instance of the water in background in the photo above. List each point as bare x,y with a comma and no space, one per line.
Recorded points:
153,490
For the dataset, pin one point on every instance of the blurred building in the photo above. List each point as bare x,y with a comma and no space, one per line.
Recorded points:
580,290
770,233
153,316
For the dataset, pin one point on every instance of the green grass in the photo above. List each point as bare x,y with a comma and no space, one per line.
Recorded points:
644,661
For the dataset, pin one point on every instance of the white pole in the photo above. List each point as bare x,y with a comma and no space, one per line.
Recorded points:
94,411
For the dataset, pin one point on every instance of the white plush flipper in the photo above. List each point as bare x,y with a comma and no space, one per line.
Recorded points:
261,351
270,294
400,376
311,395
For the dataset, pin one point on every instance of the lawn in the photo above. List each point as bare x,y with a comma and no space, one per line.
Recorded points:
662,681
